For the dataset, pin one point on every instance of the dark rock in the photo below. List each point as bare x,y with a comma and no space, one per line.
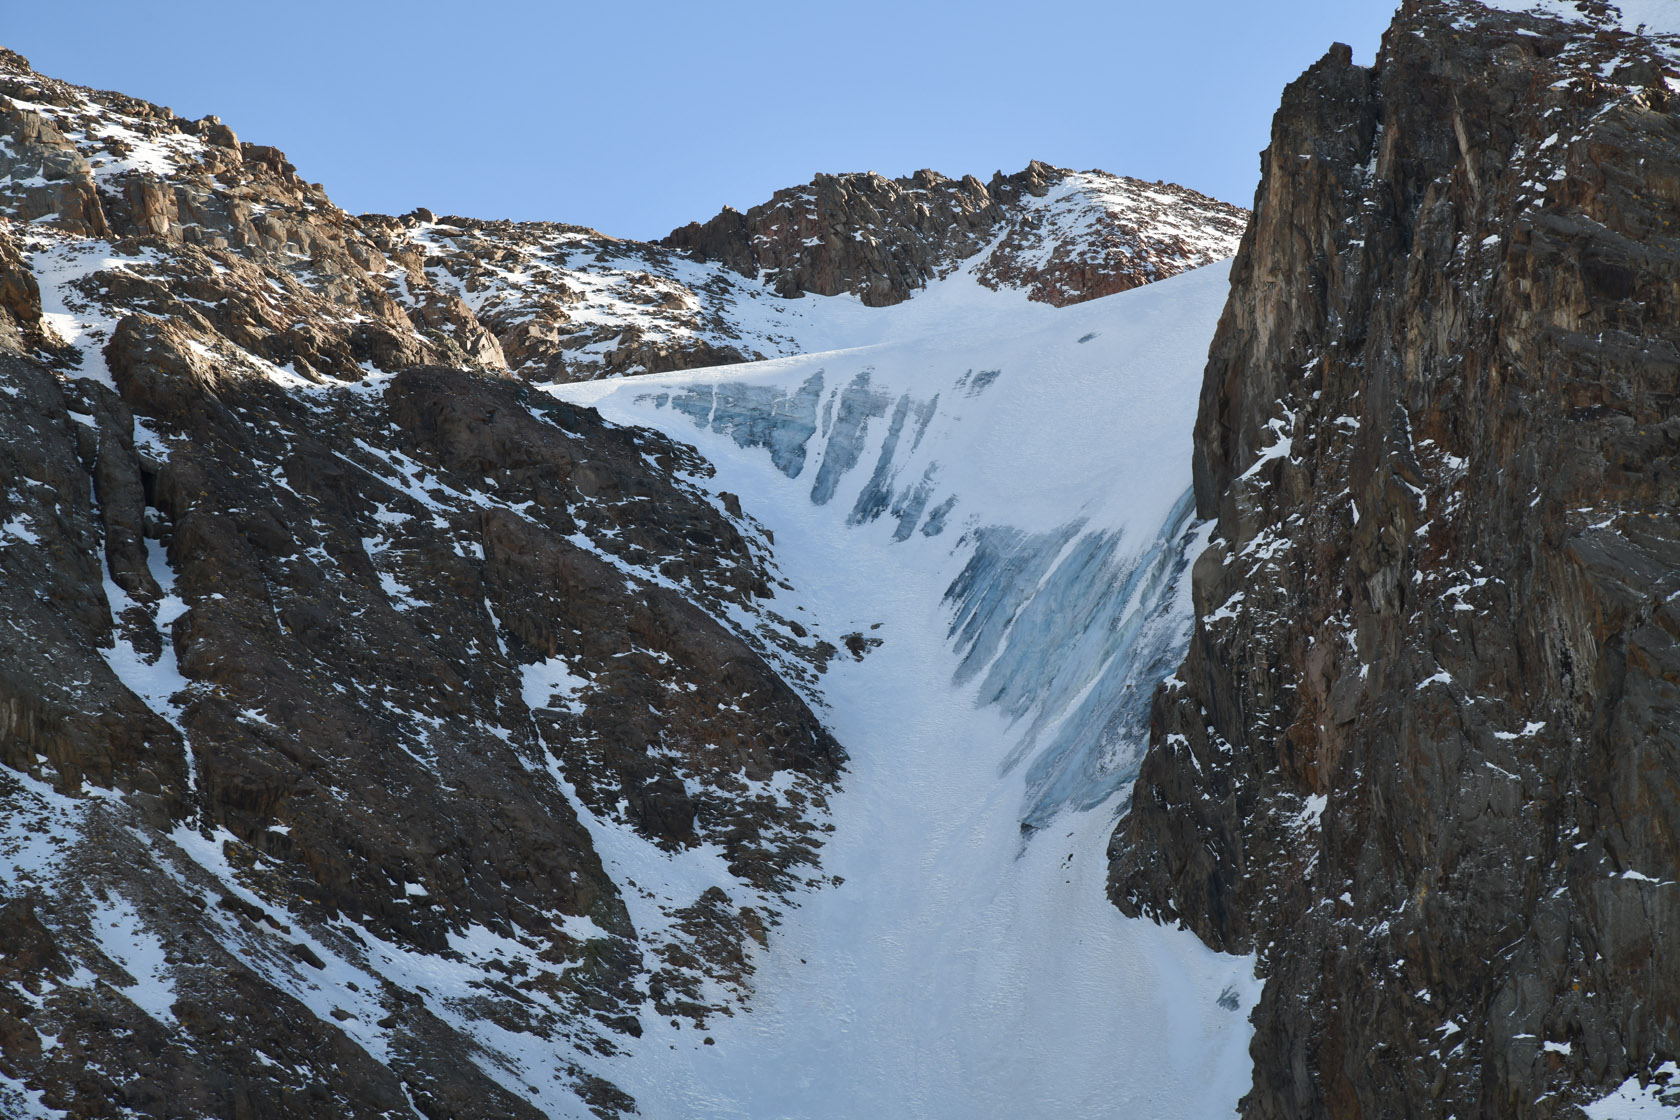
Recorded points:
882,239
61,706
364,576
1419,756
20,300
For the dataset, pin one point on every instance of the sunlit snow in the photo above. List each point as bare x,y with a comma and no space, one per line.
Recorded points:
1657,1100
1657,20
1004,508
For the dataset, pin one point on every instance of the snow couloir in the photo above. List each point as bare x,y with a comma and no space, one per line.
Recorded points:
991,500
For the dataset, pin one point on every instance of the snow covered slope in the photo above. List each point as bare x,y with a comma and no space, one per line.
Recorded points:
571,304
1657,22
995,518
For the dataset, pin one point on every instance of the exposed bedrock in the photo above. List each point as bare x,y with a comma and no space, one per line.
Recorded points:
1424,754
1062,236
349,668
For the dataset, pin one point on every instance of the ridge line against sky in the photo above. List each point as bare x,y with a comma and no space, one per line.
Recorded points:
638,121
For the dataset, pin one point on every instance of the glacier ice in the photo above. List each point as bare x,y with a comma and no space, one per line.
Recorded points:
1019,543
758,416
1073,626
1074,629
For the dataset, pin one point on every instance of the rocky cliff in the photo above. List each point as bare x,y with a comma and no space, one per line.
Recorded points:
1422,754
341,675
300,693
1063,236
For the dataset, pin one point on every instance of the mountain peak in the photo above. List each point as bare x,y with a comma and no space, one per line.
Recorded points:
550,301
881,239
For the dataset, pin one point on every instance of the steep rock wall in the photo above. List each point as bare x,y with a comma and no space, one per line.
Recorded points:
1423,754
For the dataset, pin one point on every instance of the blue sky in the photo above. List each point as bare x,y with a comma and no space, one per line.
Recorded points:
635,118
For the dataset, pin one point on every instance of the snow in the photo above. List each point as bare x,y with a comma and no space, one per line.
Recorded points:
321,990
1312,812
1006,441
59,261
663,880
1227,609
19,528
19,1101
1004,507
551,683
1659,1100
1106,222
156,681
1658,20
1651,17
125,939
37,830
1641,877
161,154
149,149
1281,447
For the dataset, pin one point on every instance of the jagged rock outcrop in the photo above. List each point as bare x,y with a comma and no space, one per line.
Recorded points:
566,303
882,239
1421,756
204,228
876,237
325,293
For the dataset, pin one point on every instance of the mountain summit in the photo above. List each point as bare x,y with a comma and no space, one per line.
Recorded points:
549,301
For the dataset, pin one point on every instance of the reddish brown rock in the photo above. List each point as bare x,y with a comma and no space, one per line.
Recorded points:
883,239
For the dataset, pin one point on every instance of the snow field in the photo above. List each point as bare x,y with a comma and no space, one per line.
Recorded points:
958,964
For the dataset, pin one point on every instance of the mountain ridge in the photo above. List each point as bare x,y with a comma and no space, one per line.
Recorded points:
551,301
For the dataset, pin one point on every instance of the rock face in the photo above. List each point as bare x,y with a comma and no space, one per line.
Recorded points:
1064,236
333,661
1422,753
121,206
360,649
567,303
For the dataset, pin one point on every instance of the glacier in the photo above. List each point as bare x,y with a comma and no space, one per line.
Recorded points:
990,503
